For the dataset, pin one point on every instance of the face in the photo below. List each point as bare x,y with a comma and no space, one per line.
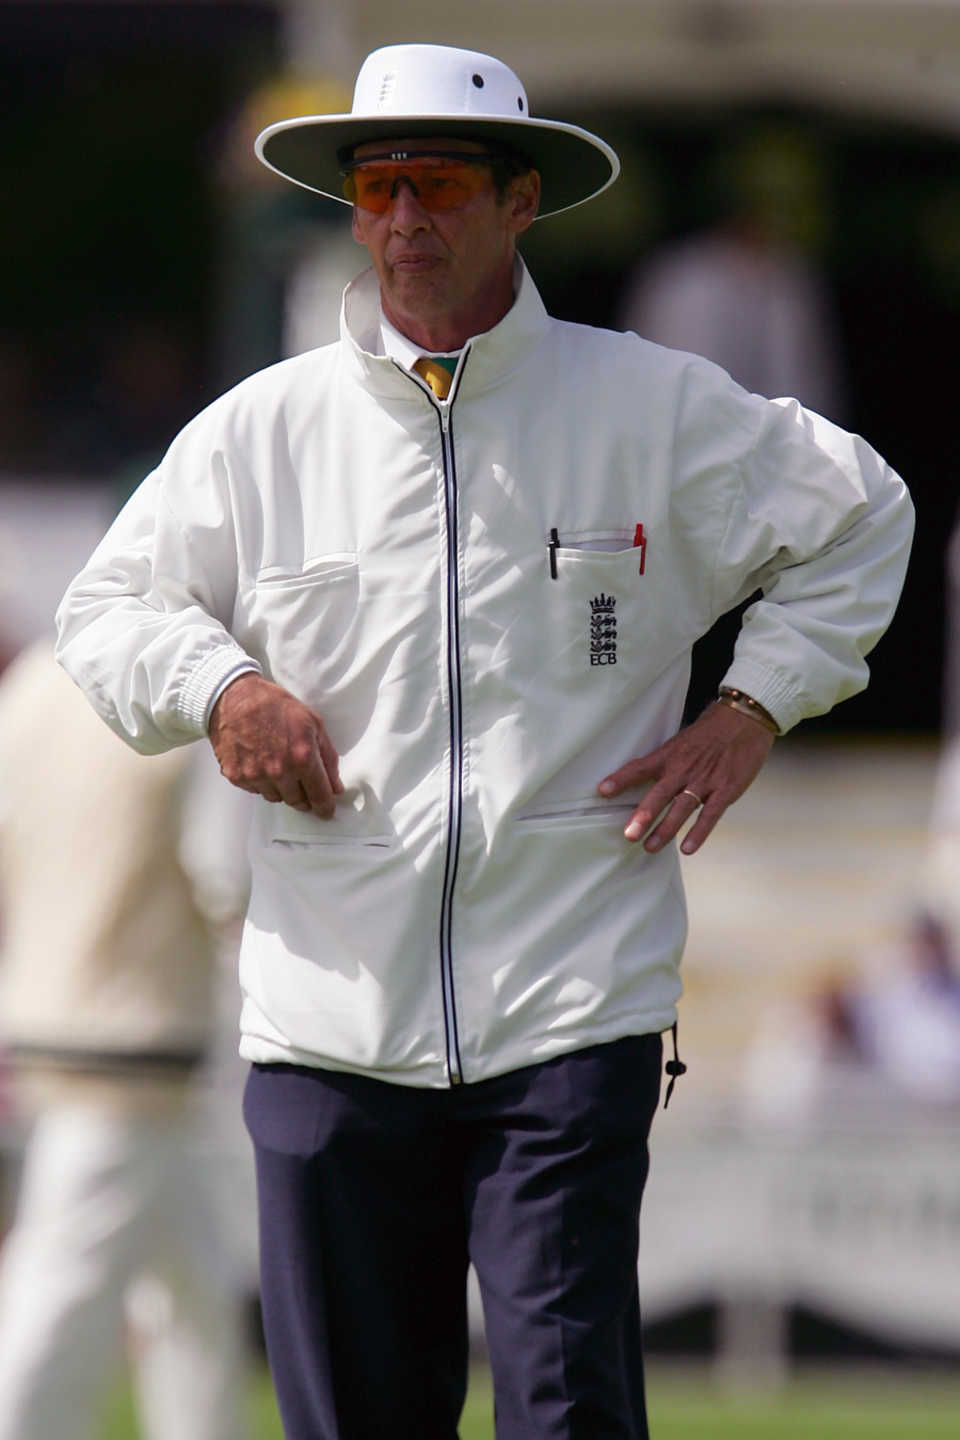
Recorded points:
446,275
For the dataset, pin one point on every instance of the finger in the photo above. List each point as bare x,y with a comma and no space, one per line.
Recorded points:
331,763
634,772
680,808
300,801
317,787
286,791
650,810
246,777
698,833
273,796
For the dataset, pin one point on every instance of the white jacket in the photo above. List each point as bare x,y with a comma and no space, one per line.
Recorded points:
474,906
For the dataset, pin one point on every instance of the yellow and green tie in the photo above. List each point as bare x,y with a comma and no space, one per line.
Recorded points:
437,373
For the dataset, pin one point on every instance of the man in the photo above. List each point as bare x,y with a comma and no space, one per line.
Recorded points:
450,635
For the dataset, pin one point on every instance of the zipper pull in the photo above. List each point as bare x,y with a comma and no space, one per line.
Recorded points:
674,1068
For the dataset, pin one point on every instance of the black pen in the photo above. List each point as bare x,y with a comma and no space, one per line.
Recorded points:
552,550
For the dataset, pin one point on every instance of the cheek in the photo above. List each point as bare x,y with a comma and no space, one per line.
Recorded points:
466,244
370,230
364,231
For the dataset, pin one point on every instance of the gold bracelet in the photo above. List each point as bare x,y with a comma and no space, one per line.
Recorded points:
746,705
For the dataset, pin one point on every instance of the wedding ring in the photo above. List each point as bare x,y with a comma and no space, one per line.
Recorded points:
693,795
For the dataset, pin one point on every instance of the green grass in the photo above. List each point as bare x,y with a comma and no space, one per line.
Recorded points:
686,1405
826,1406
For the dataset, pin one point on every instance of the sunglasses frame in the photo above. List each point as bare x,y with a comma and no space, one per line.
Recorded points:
399,158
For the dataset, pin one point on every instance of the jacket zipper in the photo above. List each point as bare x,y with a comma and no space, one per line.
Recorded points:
455,802
455,796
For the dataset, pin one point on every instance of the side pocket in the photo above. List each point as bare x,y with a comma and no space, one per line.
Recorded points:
582,815
360,822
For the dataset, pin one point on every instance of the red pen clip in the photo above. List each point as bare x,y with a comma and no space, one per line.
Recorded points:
640,543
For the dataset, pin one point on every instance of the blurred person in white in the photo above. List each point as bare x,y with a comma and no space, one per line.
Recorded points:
943,866
107,968
747,293
285,260
876,1035
906,1009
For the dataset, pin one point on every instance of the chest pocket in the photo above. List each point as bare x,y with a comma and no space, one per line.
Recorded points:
598,604
303,619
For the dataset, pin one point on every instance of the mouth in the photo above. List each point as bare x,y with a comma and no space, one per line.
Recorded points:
413,262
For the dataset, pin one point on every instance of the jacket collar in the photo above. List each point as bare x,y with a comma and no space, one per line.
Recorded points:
492,356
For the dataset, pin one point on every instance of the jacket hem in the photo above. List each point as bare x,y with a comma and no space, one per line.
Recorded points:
433,1076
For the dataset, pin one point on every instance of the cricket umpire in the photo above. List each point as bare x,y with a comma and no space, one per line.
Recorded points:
431,592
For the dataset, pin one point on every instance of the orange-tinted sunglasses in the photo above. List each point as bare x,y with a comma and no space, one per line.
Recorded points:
440,182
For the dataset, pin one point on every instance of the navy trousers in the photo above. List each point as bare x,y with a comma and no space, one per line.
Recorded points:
374,1197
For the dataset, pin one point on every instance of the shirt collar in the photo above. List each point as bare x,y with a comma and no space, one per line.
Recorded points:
401,348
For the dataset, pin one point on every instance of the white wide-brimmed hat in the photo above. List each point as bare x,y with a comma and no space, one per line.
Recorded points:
423,91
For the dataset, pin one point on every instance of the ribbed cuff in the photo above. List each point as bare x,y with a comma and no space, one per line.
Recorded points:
207,682
247,668
768,690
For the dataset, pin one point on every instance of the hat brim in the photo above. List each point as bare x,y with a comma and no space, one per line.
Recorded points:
574,165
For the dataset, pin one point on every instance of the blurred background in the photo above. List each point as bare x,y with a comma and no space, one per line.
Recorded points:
790,206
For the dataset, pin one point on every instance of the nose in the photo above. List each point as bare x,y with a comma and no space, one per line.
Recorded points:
406,212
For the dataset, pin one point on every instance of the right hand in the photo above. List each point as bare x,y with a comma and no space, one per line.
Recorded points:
269,742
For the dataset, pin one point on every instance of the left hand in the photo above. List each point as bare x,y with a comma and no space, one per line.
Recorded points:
714,760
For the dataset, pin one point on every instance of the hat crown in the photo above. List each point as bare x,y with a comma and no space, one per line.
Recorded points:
437,80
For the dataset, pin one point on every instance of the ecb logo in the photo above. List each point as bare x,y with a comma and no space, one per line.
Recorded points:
603,630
